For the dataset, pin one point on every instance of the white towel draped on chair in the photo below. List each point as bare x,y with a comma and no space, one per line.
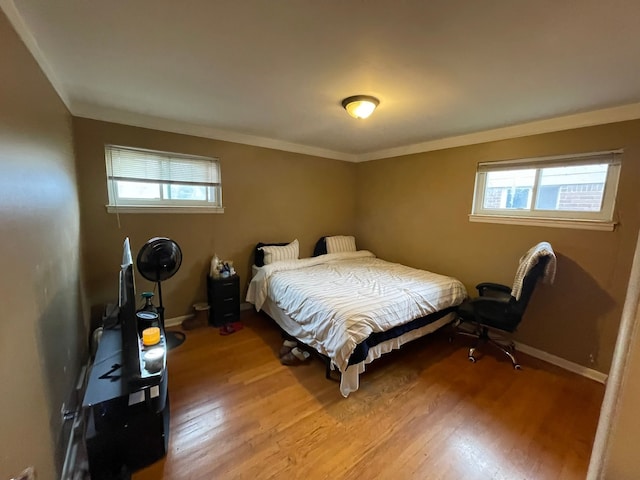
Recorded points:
530,260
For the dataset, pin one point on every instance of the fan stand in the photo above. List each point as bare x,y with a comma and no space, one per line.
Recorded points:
158,260
173,339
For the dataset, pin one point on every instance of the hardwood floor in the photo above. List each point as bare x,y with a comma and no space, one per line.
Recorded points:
423,412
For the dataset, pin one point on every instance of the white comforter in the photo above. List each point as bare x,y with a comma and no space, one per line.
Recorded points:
340,299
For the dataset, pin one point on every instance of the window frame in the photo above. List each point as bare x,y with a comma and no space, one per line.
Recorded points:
119,204
600,220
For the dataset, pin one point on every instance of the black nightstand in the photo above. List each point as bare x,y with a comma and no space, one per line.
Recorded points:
224,300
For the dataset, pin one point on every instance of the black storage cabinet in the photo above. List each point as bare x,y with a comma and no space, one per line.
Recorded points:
126,425
224,300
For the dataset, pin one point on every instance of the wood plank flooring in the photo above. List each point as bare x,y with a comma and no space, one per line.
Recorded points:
423,412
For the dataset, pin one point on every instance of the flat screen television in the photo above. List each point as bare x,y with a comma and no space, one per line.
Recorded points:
127,317
142,366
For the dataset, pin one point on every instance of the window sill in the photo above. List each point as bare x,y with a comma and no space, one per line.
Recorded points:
545,222
162,209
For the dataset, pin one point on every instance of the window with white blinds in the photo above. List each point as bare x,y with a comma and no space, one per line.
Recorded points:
570,190
161,181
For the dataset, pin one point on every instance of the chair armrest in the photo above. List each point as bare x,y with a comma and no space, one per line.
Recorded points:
488,307
488,301
485,287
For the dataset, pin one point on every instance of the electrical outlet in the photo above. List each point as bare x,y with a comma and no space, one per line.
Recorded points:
28,473
592,360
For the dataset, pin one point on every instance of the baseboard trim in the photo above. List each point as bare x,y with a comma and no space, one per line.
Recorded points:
534,352
562,363
176,321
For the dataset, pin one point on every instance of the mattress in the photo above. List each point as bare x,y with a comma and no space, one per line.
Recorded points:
335,302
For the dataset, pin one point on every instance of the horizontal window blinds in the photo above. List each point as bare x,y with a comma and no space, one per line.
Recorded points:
134,165
599,158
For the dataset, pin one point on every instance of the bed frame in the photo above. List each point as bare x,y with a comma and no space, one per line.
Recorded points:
377,344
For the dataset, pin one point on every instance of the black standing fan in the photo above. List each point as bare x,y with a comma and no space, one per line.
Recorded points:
159,259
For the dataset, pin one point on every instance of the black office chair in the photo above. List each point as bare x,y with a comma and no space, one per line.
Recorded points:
497,310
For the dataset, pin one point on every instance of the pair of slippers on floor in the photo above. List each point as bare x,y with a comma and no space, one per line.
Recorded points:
291,354
229,328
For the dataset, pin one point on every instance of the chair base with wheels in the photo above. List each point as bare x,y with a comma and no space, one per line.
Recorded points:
481,334
499,309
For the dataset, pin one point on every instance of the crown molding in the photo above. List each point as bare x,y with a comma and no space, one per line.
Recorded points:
567,122
96,112
174,126
12,13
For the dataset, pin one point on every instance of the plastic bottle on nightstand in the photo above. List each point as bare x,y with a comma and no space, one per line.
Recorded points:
214,271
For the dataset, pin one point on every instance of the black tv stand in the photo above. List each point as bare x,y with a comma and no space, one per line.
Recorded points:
126,412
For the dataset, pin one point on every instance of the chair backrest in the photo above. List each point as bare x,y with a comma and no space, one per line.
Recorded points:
517,307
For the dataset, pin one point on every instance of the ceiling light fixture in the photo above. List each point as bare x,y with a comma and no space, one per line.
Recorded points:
360,106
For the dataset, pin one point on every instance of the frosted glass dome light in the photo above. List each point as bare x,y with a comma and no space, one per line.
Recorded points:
360,106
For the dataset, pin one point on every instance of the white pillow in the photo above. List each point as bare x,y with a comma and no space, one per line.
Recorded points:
340,243
278,254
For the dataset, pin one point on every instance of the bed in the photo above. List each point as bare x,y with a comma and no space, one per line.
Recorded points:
348,305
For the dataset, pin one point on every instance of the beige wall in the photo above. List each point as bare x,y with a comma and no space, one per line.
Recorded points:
623,462
414,210
41,332
615,448
411,209
268,196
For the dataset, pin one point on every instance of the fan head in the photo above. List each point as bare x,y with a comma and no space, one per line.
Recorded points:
159,259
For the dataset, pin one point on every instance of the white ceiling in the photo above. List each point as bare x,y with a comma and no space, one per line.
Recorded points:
273,72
